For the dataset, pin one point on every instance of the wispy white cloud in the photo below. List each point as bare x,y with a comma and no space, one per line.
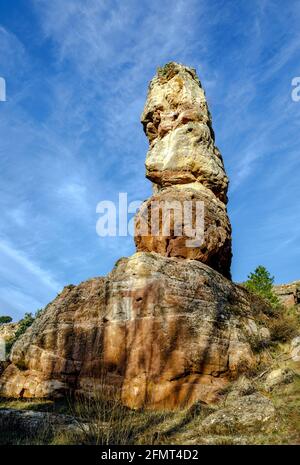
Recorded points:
74,195
25,285
26,265
16,62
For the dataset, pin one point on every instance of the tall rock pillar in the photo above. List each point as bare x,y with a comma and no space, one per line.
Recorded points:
185,167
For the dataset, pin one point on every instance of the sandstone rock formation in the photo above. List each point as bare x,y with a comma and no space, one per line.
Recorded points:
163,331
8,330
183,155
214,250
166,327
289,294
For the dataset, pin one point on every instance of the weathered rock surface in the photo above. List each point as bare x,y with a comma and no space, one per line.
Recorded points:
178,125
33,423
184,156
162,331
8,330
167,210
289,294
250,413
295,349
166,327
183,163
278,377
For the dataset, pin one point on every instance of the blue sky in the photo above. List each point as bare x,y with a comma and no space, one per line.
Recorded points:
76,74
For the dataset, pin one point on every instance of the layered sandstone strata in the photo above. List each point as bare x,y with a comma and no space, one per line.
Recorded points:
164,332
183,154
166,208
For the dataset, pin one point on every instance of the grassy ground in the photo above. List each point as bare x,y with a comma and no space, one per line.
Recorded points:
286,399
103,422
108,422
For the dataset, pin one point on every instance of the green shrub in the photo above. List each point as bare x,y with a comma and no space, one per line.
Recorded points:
260,282
5,319
23,325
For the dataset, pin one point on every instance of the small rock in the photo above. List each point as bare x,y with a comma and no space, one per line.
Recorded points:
33,422
249,413
278,377
8,330
264,334
242,387
295,349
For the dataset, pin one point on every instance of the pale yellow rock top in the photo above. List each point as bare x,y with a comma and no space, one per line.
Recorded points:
177,122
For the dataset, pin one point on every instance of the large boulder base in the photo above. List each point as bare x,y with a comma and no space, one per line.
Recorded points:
163,332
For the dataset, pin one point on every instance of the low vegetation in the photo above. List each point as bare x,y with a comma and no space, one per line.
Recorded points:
103,422
23,325
282,323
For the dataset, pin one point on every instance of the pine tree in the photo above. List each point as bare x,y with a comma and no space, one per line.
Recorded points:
261,282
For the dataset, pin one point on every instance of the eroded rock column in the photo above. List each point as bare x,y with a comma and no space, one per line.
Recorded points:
186,168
